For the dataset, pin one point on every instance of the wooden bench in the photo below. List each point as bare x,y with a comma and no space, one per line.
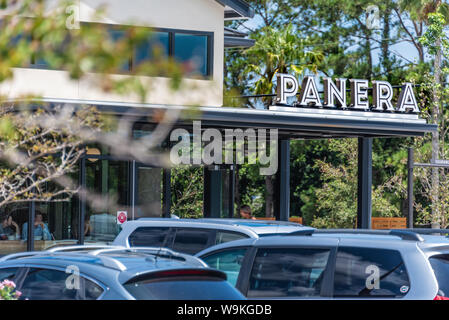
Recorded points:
377,223
295,219
388,223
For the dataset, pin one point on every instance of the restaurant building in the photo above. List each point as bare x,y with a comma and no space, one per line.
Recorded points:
188,30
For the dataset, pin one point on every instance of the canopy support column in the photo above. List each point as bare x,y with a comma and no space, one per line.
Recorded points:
212,195
365,175
283,192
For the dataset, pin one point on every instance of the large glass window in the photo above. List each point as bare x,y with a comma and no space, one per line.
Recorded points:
228,261
149,182
110,180
158,46
370,272
192,51
288,272
13,219
117,35
48,284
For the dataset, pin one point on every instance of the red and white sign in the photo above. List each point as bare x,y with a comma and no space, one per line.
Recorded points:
122,216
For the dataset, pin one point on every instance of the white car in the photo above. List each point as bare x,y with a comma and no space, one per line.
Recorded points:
193,235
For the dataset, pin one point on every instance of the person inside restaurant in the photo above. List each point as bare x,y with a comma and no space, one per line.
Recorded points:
245,212
41,231
9,229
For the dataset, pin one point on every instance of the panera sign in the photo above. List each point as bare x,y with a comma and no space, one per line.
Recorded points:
335,94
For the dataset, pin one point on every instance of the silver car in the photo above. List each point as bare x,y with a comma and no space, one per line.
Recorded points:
114,273
337,264
193,235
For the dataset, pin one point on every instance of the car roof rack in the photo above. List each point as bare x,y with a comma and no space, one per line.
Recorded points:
20,255
224,221
427,231
404,234
108,261
80,247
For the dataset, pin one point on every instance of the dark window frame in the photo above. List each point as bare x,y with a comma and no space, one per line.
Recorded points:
171,40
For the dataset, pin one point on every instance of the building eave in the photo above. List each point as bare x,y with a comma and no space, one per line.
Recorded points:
291,125
236,9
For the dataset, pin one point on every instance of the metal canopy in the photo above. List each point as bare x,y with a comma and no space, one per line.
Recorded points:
292,123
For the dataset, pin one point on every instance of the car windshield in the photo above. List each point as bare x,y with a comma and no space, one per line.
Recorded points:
183,288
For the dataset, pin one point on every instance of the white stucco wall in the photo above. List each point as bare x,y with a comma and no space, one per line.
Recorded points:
197,15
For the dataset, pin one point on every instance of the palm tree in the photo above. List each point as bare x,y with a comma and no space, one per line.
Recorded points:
277,51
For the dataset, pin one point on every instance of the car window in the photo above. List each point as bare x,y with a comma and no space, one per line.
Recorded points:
48,284
148,237
440,266
370,272
228,261
288,272
183,288
190,240
226,236
8,274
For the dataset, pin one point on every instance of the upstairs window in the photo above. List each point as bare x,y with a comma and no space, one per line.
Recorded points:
158,46
192,51
118,35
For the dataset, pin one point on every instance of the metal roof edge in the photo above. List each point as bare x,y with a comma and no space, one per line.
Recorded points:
240,7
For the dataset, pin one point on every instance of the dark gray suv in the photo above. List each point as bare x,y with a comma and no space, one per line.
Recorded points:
337,264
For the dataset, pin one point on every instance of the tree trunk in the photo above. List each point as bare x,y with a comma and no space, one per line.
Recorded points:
369,58
386,63
435,138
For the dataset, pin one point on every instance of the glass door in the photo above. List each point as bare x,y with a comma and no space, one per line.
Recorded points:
108,182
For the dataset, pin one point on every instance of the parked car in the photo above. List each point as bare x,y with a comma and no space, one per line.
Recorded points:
193,235
336,264
114,273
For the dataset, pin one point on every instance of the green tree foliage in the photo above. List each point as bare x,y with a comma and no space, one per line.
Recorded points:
187,192
338,30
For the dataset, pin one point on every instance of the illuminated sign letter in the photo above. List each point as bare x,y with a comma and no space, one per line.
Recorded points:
337,92
382,94
359,94
309,93
283,91
407,99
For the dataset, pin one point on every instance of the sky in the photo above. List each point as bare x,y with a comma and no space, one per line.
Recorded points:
403,50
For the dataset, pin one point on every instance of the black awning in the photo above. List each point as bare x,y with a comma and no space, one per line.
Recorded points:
295,125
